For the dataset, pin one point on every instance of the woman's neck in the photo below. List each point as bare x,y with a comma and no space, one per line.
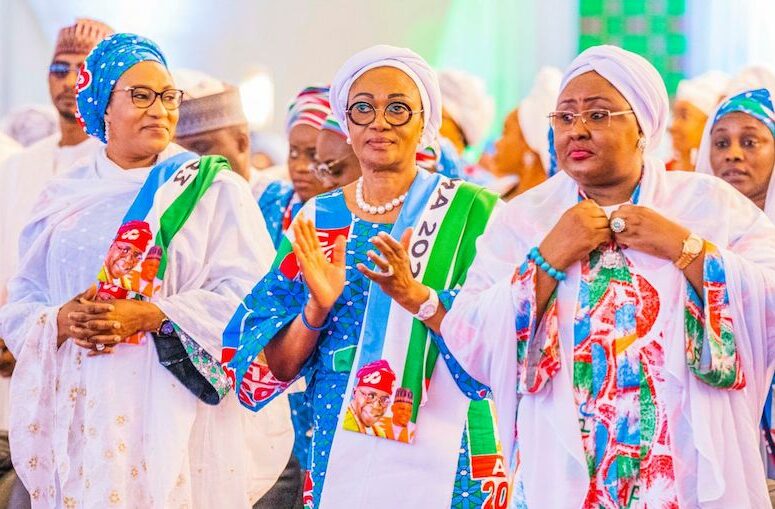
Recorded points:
613,194
684,161
129,162
382,186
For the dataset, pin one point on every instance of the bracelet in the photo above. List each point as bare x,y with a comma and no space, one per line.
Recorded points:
309,326
539,260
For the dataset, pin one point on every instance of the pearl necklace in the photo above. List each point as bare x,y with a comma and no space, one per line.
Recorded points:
375,209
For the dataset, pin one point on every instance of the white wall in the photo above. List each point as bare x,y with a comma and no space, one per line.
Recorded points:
25,53
302,42
729,34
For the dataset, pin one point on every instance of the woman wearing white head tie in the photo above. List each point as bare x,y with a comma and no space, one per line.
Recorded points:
636,349
468,109
695,99
521,157
390,420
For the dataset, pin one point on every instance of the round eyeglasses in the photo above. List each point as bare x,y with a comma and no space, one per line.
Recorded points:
396,114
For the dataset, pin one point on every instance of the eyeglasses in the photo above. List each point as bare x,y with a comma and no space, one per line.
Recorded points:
144,97
396,114
62,69
326,169
371,397
307,153
593,119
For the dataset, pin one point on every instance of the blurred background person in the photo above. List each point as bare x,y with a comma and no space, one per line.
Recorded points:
28,171
282,200
30,123
520,159
212,122
335,163
695,99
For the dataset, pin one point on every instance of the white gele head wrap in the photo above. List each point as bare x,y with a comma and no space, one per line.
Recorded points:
533,112
404,59
466,101
703,91
636,79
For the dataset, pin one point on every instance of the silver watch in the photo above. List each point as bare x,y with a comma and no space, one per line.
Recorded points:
429,307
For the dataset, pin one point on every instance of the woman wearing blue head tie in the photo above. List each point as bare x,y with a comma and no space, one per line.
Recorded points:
115,399
739,147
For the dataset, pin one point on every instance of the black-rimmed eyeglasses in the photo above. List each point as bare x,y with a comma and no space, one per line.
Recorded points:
144,97
396,114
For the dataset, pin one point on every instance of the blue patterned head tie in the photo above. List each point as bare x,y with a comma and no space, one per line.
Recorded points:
757,103
111,58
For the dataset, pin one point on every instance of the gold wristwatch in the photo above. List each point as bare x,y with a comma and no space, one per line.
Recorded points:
692,247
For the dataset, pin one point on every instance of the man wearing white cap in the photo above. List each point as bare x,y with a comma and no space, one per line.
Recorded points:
24,174
695,99
212,121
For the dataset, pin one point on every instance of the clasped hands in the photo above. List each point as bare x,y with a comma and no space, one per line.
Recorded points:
100,325
585,227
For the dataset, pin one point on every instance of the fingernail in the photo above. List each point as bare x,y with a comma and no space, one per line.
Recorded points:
111,308
372,239
382,234
116,325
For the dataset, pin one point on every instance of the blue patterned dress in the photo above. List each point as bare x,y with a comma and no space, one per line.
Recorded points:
329,367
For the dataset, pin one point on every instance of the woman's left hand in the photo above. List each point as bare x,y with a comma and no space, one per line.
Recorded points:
109,328
650,232
395,276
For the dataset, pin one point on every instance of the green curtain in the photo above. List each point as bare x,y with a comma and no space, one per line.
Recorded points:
652,28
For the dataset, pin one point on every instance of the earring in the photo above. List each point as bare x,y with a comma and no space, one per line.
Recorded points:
642,143
349,141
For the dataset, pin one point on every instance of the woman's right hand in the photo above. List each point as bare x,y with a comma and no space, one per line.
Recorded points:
324,279
81,302
581,229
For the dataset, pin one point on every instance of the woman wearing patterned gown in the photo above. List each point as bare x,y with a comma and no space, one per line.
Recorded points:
623,314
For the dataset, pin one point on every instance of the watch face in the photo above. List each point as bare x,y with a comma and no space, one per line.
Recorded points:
693,245
426,310
167,328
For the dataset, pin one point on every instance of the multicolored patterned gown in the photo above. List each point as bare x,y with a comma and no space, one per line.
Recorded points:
632,389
